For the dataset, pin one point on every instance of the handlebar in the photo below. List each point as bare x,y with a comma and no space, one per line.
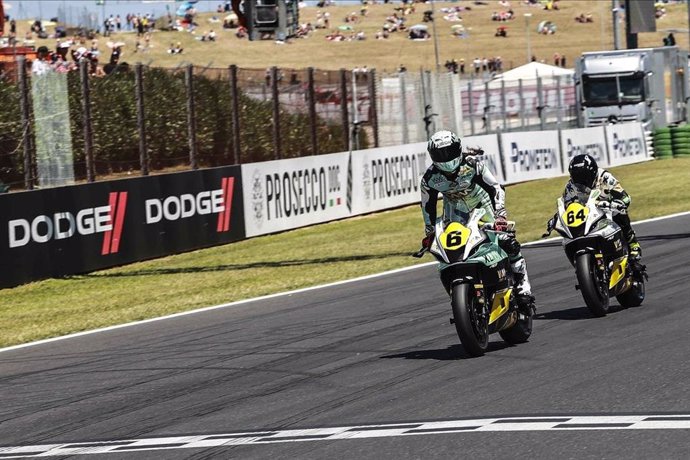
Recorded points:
490,227
420,253
612,206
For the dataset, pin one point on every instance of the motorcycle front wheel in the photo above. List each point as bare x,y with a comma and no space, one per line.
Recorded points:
594,290
471,319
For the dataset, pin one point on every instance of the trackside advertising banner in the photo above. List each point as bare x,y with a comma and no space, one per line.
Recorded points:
76,229
491,156
626,143
531,155
590,141
387,177
284,194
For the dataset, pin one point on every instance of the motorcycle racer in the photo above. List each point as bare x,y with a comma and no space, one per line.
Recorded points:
585,175
466,183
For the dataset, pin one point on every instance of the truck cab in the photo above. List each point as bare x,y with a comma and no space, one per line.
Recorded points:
648,85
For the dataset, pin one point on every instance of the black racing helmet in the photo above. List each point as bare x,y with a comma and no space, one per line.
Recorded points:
583,170
445,150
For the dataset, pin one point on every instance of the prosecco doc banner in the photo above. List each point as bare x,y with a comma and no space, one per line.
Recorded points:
285,194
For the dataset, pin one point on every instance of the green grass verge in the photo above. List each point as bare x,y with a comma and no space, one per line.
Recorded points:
291,260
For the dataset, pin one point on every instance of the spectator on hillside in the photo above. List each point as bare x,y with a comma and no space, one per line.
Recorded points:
40,66
669,40
37,27
116,55
209,37
175,49
582,18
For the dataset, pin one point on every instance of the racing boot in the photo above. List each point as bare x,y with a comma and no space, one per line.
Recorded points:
635,256
635,249
524,297
526,304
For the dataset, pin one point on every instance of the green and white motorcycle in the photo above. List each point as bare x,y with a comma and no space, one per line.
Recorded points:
595,246
476,273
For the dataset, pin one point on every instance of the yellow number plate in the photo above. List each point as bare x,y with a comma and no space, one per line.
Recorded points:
455,236
575,215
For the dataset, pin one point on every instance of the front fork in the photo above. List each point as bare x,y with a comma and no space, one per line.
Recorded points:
480,295
603,270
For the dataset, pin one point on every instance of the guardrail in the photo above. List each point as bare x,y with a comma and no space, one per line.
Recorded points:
76,229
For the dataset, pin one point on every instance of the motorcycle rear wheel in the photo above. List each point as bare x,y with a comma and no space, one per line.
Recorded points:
518,332
634,296
594,291
471,323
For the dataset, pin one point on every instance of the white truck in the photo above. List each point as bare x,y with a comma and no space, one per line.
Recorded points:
649,85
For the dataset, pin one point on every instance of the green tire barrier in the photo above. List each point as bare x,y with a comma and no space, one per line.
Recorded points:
671,141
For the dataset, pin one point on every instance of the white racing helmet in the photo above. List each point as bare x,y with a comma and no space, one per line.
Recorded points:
445,150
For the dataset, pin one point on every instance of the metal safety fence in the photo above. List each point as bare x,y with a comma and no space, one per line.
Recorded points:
81,125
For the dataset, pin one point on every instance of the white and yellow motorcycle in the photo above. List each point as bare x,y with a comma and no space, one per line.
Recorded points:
596,247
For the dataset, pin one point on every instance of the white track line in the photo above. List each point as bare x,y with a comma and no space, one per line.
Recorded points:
447,427
287,293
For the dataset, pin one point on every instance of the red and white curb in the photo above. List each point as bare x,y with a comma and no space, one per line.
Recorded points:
456,427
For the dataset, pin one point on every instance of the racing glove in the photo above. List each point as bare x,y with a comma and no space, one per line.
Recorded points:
427,240
550,225
501,224
618,205
614,205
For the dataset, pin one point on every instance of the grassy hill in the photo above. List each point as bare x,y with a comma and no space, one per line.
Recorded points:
570,39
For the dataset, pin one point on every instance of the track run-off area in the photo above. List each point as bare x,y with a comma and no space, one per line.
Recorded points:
370,369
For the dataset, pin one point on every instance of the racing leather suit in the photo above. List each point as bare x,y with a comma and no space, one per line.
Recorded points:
611,190
474,186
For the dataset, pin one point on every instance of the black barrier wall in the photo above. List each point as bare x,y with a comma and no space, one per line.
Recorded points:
76,229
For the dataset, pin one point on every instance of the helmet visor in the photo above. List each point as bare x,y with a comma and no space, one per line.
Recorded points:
448,167
445,154
582,176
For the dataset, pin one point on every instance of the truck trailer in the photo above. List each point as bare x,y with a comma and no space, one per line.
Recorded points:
649,85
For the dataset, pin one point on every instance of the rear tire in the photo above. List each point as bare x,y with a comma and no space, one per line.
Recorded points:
518,332
633,297
471,321
595,294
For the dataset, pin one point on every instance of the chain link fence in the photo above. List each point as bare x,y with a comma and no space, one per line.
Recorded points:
140,120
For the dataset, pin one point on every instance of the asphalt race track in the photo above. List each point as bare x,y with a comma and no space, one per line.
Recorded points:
371,370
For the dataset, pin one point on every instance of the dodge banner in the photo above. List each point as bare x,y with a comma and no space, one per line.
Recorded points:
76,229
